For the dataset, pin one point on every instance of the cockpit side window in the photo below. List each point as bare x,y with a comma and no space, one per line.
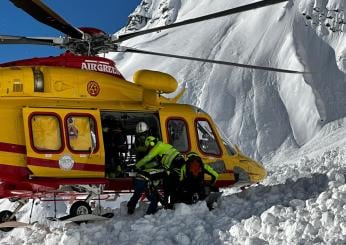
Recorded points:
207,141
226,142
177,131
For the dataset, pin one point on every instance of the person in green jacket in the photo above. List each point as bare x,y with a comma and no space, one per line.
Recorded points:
192,183
161,158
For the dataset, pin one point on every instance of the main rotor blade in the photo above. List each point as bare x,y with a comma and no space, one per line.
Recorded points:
140,51
44,14
240,9
30,40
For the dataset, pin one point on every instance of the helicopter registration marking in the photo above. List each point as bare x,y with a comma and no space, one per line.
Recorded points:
66,162
100,66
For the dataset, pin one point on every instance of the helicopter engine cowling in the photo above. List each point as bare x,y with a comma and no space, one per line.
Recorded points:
155,80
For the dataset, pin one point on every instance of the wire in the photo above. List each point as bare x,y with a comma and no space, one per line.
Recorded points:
231,11
220,62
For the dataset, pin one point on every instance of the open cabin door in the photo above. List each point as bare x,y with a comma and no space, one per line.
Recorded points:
64,143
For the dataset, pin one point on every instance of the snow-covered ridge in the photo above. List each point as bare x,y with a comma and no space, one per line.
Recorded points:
145,16
244,101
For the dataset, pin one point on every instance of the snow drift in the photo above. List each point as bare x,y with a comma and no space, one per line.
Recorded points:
302,202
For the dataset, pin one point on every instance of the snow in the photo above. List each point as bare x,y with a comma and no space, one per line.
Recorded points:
280,36
294,124
303,201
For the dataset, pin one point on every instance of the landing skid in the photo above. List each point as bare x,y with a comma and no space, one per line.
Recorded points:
83,217
80,211
8,220
13,224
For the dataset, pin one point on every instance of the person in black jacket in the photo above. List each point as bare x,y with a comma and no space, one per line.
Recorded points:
192,182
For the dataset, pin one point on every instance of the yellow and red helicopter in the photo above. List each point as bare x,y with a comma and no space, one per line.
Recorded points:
70,122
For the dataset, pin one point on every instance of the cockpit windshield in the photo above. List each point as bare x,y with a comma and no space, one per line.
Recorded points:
226,142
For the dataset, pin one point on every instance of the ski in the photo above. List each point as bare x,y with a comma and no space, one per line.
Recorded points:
13,224
83,218
87,217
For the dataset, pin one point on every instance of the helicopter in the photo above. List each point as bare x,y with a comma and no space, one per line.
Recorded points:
68,111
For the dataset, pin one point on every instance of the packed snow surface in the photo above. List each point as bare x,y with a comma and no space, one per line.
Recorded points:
303,201
295,124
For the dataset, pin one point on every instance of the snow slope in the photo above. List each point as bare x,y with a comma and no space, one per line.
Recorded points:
243,102
295,124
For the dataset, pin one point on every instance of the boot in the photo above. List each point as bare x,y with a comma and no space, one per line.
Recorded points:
130,208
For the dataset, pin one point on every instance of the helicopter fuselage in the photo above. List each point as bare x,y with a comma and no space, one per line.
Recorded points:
58,121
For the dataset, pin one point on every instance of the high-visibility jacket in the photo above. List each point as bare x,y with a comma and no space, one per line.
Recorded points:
206,170
165,152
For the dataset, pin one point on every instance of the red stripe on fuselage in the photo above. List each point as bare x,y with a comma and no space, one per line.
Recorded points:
224,183
13,173
12,148
55,164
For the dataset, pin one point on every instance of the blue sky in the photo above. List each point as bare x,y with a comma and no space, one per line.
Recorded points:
107,15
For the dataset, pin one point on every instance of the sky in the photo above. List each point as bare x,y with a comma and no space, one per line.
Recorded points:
107,15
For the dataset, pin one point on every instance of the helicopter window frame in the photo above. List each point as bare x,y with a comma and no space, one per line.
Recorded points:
188,140
31,133
128,121
199,119
93,133
226,142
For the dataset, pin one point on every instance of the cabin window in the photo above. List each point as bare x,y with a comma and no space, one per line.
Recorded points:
81,134
178,134
46,132
206,138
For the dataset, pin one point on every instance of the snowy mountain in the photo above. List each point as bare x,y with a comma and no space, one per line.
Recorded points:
306,35
294,123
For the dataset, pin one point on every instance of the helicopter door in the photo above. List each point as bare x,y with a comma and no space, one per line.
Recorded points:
63,142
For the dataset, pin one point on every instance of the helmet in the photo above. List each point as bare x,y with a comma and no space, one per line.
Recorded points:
193,156
150,141
141,127
194,164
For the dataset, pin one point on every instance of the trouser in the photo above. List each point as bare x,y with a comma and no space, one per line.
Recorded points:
171,182
141,186
192,196
192,190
